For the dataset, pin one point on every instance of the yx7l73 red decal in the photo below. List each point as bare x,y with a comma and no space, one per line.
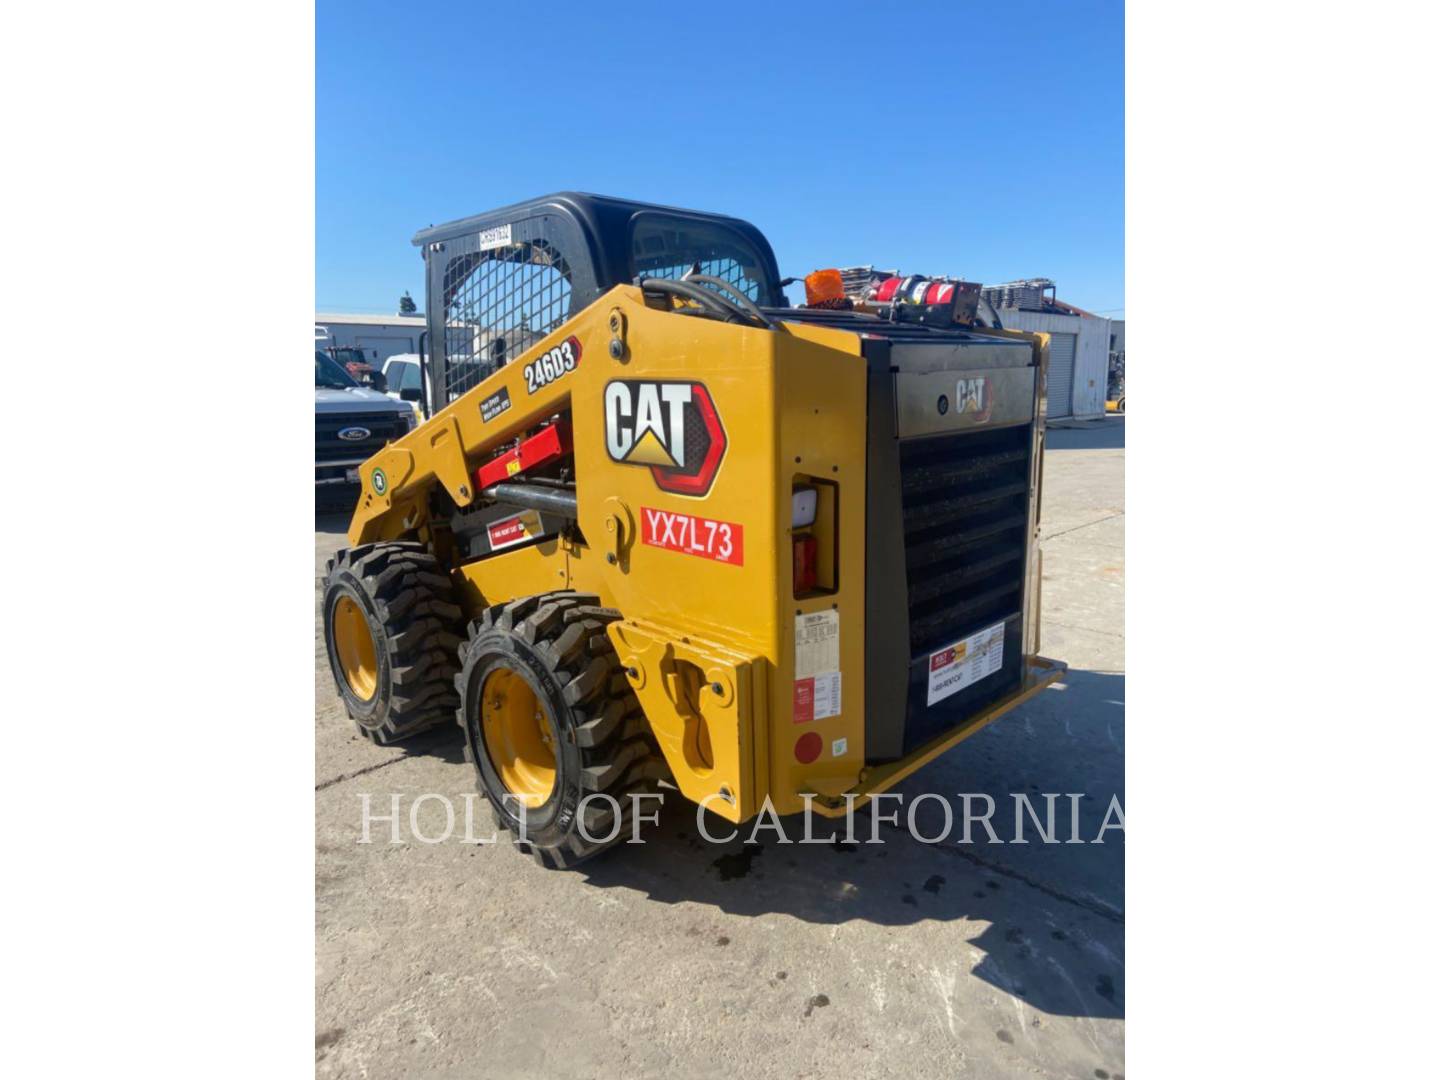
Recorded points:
723,541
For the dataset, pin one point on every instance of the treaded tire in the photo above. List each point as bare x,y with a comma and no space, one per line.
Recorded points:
409,605
557,643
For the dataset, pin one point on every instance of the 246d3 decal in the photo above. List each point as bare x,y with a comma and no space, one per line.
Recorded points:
552,365
672,428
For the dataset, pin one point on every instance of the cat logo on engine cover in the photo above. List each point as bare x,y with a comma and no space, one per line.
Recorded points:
670,427
973,399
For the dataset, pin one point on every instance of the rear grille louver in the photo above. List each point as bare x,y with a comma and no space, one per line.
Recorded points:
965,500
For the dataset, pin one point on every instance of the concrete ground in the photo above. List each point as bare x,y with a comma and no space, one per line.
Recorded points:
676,958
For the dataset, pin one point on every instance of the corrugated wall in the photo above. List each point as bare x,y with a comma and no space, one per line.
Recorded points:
1092,355
377,339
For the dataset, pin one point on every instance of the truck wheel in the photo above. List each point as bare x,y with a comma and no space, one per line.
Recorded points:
390,622
553,728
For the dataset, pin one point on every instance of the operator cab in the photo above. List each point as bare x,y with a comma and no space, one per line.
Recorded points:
498,282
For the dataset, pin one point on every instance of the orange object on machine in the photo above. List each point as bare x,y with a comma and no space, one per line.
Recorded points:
546,445
823,287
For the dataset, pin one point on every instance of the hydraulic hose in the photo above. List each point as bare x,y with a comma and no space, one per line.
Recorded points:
706,298
741,299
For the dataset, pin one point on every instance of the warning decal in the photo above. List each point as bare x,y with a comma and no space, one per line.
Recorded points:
817,666
514,530
817,696
804,701
956,666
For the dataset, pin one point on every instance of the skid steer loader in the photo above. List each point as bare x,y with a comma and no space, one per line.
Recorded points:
663,529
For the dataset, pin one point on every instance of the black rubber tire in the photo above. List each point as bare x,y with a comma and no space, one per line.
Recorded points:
409,604
557,643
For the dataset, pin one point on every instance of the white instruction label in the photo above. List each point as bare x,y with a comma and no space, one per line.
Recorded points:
957,666
494,238
817,644
827,695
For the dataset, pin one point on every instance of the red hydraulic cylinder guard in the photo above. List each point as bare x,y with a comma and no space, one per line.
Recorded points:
546,445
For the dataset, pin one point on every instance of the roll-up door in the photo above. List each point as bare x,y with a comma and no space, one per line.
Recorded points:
1062,375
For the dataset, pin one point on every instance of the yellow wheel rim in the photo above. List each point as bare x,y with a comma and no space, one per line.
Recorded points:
517,736
354,647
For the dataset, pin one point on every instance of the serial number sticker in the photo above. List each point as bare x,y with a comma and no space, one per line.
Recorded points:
723,541
499,236
553,364
514,530
495,404
956,666
817,643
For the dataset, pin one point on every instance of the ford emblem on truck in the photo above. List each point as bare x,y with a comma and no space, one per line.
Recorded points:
354,434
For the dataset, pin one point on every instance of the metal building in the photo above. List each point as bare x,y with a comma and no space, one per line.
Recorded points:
381,336
1079,343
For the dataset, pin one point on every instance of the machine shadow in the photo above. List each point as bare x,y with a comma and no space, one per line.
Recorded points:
331,518
444,743
1106,434
1055,937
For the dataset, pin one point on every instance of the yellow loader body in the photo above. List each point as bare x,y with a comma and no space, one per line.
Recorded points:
717,643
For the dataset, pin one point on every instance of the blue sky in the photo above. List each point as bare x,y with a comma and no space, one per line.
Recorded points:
984,141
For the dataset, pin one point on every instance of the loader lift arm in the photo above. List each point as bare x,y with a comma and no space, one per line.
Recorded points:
448,449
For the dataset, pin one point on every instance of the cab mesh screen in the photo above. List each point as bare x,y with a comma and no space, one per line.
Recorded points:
662,249
497,304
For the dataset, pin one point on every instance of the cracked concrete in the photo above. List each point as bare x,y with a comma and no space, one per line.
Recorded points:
678,958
